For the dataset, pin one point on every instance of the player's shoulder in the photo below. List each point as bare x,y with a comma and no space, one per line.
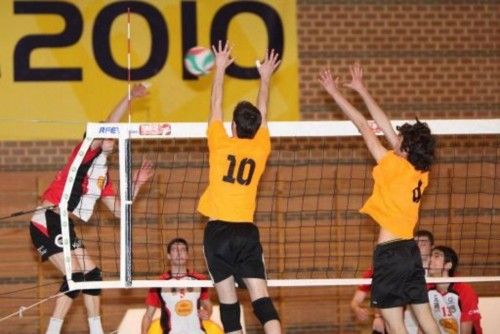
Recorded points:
464,289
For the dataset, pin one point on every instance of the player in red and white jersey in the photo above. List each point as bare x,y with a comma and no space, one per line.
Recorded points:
453,305
91,183
182,310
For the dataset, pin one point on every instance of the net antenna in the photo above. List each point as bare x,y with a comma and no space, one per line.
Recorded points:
127,245
129,64
317,178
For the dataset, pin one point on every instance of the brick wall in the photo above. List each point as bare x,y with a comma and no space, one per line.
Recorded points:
434,59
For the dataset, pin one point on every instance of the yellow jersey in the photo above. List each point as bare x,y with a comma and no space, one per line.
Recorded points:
396,196
236,166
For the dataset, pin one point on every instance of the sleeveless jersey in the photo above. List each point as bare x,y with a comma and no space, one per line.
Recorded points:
236,166
458,304
179,306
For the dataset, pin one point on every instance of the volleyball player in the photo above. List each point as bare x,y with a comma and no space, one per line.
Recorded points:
231,240
181,309
91,183
425,242
400,178
453,305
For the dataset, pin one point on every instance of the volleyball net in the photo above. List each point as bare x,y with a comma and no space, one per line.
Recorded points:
317,178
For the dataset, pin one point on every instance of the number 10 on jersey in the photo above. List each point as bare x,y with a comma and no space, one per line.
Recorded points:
246,168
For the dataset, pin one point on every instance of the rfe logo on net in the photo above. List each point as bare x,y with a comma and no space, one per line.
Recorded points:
109,130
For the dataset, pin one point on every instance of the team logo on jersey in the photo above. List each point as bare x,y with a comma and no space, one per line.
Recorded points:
184,308
450,325
101,181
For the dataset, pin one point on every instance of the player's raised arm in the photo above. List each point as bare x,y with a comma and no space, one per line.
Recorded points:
266,70
222,61
138,90
141,176
331,86
147,319
374,109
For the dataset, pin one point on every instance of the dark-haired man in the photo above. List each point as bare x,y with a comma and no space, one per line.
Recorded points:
453,305
182,310
231,240
425,242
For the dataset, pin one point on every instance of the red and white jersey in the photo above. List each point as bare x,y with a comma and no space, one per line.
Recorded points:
458,304
179,307
91,182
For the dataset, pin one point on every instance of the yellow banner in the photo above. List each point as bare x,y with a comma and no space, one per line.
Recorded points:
65,63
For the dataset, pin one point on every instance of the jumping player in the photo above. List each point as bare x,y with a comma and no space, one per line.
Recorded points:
181,309
401,176
91,183
231,240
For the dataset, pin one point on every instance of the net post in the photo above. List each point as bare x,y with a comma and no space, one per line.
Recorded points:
128,214
125,211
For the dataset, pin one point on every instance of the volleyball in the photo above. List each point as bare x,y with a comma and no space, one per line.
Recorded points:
212,327
199,60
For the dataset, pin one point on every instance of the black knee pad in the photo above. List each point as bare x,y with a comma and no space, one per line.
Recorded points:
264,310
230,317
93,275
77,277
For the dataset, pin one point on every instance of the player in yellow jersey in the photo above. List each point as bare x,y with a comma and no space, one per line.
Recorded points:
400,178
231,242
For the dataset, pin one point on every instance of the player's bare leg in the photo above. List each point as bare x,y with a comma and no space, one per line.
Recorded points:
394,321
424,318
257,288
63,303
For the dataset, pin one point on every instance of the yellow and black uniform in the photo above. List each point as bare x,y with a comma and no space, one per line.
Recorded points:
395,201
236,166
231,240
399,277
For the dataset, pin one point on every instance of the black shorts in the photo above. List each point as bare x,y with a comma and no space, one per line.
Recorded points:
50,243
233,249
398,275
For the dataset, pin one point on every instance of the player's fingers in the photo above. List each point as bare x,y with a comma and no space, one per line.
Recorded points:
276,64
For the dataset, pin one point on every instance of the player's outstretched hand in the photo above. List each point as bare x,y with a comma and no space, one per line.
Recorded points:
356,77
269,64
329,83
143,174
222,55
139,90
361,313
